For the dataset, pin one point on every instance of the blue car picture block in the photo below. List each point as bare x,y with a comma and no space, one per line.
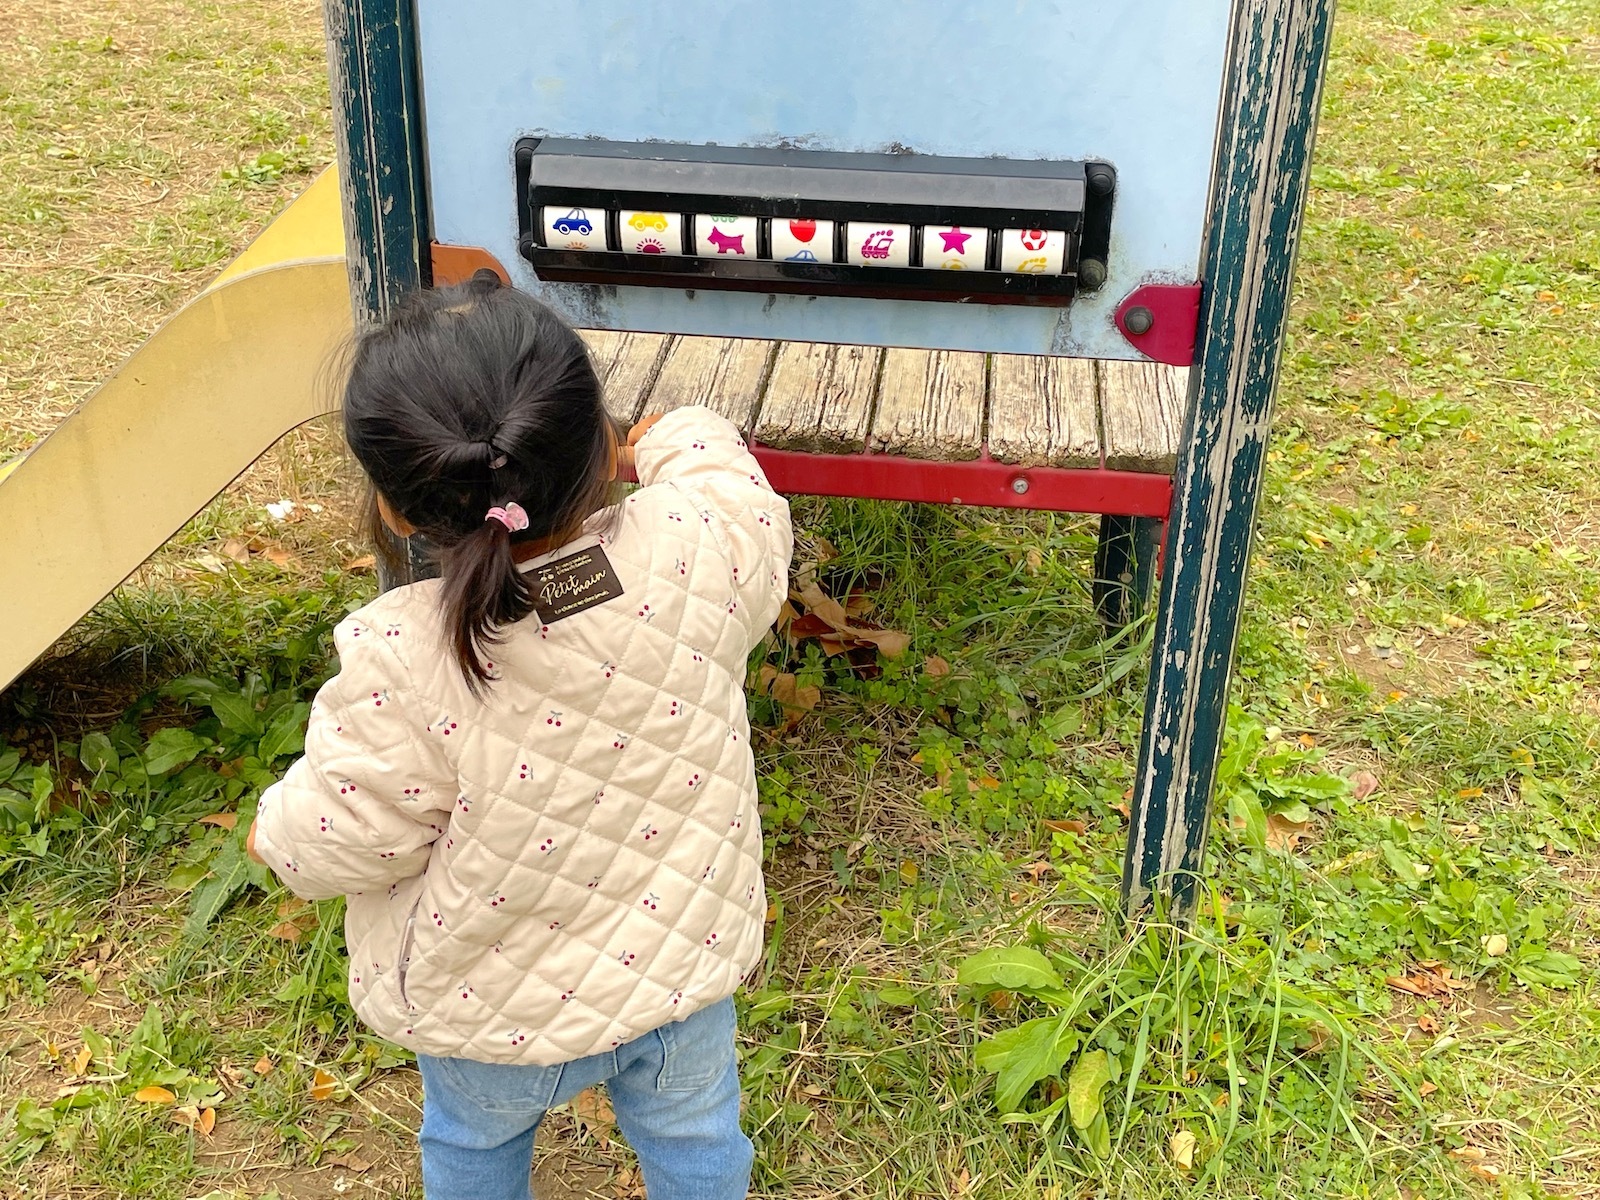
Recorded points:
576,221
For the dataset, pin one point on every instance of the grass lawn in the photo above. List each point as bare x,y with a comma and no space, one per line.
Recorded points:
1390,987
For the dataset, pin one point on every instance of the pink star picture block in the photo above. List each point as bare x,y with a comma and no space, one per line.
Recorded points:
954,247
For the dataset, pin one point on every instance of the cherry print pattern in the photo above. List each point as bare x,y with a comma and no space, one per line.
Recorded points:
544,632
646,612
737,822
708,874
547,845
522,771
608,669
676,996
680,566
674,516
675,708
346,787
594,882
324,824
517,1037
438,920
649,832
554,925
600,795
499,947
711,939
694,781
293,865
763,519
750,892
697,656
467,990
697,445
463,804
497,901
416,791
393,631
626,958
553,719
379,697
568,994
651,901
621,741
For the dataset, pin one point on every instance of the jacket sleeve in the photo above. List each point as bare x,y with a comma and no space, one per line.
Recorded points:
362,809
702,454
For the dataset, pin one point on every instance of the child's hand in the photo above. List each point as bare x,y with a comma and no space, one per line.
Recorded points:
625,453
643,427
250,844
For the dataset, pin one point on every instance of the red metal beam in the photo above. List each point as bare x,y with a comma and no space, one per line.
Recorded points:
980,481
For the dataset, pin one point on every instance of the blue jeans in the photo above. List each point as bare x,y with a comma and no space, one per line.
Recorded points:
675,1091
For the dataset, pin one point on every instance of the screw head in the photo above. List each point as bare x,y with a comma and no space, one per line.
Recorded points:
1101,179
1091,274
1019,485
1139,319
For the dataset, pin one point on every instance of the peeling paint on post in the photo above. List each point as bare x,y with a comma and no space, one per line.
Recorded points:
1272,90
372,66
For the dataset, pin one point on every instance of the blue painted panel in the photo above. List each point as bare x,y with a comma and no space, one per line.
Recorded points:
1136,85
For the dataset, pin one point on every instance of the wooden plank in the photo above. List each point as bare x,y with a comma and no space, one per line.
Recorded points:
930,405
724,374
1042,411
627,364
819,398
1141,412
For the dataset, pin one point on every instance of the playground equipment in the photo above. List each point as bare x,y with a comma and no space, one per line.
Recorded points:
1033,255
228,375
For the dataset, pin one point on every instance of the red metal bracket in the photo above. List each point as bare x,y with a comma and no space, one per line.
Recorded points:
1160,321
981,481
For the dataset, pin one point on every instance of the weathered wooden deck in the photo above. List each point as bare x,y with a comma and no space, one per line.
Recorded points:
941,405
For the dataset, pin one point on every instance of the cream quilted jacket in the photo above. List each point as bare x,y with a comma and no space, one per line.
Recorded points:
576,860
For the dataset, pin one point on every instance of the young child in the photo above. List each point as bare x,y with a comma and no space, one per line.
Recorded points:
532,777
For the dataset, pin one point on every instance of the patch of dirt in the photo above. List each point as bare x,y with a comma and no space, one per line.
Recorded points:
1425,666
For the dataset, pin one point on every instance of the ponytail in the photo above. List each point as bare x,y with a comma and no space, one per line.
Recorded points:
470,401
482,593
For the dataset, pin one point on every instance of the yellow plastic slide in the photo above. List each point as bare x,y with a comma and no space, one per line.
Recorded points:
233,371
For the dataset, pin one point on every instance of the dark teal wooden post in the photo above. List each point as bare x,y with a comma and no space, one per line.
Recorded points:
377,115
377,124
1271,92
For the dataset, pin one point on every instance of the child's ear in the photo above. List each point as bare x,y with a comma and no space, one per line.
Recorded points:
397,524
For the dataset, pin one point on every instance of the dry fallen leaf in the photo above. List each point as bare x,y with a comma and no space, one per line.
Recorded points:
351,1162
362,562
962,1183
909,871
277,555
1363,784
323,1085
1182,1149
263,1066
1496,944
187,1114
1284,834
934,666
1428,1024
80,1060
789,692
1469,1154
286,930
222,820
208,1121
1037,870
1077,827
1427,1089
154,1095
236,550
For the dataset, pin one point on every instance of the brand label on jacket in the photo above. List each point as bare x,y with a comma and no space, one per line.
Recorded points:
571,584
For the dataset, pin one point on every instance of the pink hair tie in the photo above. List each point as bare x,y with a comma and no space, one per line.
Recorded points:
512,516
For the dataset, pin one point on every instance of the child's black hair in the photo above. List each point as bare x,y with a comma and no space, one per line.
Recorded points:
470,398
